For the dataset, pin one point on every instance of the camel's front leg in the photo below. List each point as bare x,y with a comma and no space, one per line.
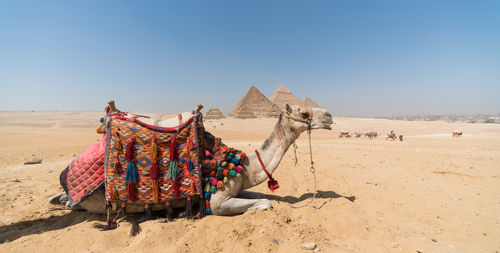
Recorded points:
233,206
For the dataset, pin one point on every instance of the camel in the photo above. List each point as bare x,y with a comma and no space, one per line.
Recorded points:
391,136
344,134
456,134
232,199
371,135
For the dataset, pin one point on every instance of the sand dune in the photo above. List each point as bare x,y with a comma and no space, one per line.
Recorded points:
429,193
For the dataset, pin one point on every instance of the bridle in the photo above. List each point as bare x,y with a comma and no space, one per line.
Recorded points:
272,183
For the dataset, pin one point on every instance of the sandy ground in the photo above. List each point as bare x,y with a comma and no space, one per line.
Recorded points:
429,193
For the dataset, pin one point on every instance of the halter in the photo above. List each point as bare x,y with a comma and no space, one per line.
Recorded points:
272,183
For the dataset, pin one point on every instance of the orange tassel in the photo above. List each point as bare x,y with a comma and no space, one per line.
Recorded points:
154,150
118,143
156,191
116,195
220,184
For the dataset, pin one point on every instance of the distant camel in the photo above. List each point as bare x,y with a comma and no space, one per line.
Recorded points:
391,136
357,134
344,134
456,134
371,135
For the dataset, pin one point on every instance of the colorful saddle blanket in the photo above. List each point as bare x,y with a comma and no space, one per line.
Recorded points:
148,164
84,174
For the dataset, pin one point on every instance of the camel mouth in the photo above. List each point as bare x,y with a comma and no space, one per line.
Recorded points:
323,125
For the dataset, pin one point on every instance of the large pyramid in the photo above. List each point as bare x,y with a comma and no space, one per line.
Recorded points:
254,104
308,102
282,95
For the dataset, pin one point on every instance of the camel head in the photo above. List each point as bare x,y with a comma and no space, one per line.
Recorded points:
319,118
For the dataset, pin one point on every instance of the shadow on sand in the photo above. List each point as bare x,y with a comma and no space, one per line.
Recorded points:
329,195
16,230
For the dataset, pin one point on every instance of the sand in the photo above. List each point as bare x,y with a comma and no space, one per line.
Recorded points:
429,193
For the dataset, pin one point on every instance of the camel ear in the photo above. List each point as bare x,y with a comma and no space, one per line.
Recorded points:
288,108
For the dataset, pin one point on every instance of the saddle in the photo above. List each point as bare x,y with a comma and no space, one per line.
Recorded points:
142,161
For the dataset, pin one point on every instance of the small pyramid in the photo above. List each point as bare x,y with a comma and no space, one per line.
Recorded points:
283,95
254,104
214,113
308,102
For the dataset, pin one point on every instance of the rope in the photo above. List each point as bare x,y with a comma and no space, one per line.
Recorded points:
295,152
312,169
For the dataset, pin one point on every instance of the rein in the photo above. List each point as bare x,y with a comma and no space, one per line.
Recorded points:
272,183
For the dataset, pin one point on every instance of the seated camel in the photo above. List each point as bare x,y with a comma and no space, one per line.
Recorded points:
232,199
456,134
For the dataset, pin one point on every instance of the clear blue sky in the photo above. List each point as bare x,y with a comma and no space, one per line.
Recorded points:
363,58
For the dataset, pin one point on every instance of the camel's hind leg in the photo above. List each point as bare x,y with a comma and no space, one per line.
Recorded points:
233,206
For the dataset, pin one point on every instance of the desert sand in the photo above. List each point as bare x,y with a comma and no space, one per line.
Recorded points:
429,193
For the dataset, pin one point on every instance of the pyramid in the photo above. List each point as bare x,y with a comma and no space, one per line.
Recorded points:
308,102
254,104
214,113
282,95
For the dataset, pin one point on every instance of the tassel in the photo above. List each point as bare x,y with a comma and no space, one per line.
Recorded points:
173,149
239,168
154,171
131,173
220,184
176,189
129,151
173,168
226,180
207,188
232,173
154,150
156,191
213,188
208,194
118,167
131,180
118,143
272,184
116,195
131,191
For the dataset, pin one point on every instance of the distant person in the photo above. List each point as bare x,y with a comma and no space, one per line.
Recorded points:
392,132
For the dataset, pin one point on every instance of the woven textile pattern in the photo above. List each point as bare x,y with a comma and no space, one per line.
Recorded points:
186,181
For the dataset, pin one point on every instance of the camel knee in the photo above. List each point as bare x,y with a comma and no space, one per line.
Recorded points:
262,204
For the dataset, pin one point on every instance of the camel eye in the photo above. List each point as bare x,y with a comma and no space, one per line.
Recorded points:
305,115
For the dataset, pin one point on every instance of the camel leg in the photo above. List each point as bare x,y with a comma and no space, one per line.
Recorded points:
233,206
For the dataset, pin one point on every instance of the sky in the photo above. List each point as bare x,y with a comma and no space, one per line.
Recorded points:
354,58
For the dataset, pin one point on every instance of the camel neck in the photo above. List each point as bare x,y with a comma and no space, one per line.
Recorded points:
271,152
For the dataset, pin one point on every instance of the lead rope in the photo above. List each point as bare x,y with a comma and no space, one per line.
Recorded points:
312,169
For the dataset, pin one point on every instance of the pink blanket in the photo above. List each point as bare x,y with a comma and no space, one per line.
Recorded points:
85,173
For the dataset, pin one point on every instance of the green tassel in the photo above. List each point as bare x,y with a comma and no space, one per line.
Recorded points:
232,173
213,188
173,170
225,180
